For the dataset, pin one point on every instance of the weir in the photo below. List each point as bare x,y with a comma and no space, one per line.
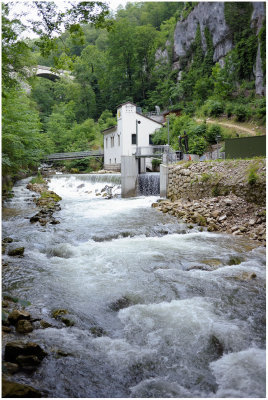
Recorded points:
148,184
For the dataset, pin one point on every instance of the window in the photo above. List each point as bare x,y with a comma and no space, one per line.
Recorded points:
115,160
133,138
118,140
106,142
112,141
150,139
110,161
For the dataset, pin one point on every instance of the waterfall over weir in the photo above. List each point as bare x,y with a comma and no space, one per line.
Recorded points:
149,184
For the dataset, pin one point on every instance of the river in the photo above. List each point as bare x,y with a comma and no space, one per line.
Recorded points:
147,322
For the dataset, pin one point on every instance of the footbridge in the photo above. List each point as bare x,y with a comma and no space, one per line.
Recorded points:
50,73
73,155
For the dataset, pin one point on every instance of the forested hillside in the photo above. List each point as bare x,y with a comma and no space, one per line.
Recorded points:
130,55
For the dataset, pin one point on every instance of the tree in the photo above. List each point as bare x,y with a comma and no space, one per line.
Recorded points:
22,141
16,55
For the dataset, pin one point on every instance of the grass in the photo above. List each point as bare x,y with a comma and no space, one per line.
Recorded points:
205,177
38,179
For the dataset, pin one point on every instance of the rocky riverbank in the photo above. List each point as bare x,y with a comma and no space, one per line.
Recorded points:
226,196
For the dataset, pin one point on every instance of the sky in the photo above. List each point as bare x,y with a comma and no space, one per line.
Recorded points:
26,7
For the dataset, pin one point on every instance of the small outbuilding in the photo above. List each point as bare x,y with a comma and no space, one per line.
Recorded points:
133,130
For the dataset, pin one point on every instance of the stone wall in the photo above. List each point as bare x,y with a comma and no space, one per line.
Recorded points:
197,180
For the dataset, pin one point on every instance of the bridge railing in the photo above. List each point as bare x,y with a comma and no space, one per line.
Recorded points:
73,155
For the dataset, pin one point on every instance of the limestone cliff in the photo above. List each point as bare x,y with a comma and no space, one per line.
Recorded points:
212,16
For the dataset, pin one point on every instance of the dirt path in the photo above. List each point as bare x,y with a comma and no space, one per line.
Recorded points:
238,127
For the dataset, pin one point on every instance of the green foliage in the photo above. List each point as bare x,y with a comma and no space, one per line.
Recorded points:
197,145
241,112
22,141
38,179
155,163
188,8
237,16
16,54
205,177
252,176
213,108
262,39
229,109
212,132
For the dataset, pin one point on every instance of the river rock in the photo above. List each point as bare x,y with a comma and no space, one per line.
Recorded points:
24,326
45,324
216,346
97,331
17,315
16,349
7,240
18,252
245,276
11,368
14,389
57,314
29,363
6,329
67,321
199,267
123,302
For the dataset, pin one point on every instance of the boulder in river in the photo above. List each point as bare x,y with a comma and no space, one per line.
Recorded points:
123,302
14,389
18,252
16,349
17,315
24,326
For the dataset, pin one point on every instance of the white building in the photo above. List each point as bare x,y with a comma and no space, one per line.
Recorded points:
132,130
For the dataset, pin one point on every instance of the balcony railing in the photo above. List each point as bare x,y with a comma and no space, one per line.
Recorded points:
153,151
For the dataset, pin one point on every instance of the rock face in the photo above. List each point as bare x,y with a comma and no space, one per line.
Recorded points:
205,14
258,16
211,15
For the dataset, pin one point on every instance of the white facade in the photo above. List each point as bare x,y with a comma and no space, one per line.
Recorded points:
122,140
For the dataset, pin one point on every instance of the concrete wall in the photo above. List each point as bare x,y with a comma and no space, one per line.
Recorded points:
129,176
164,169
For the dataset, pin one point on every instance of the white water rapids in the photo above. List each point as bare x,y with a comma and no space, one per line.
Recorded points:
178,332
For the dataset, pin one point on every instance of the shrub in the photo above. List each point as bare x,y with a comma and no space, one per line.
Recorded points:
213,108
241,113
229,109
199,130
212,132
197,145
252,175
155,163
38,178
216,108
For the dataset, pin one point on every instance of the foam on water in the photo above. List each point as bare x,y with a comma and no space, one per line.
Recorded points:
241,374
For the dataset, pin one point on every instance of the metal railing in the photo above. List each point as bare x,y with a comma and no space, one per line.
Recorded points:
73,155
152,151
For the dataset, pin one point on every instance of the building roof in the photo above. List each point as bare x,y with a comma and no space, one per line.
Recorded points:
127,102
151,119
109,129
